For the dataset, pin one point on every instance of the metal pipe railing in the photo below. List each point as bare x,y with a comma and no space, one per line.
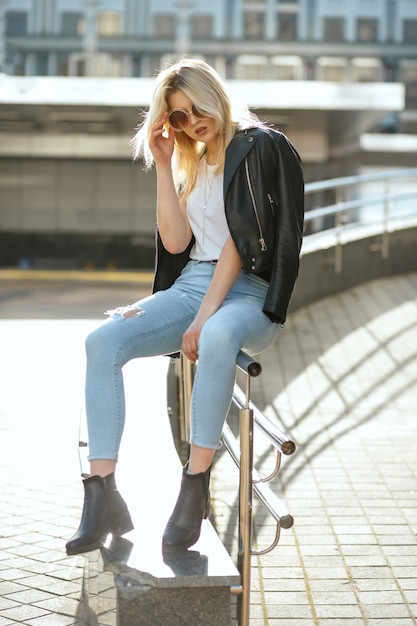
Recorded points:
358,215
277,438
349,181
358,184
250,482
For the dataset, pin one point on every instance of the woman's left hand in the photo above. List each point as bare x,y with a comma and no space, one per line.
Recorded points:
190,340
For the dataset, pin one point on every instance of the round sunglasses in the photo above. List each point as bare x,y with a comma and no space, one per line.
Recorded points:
179,118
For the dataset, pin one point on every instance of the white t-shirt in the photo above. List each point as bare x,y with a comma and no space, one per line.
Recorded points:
205,212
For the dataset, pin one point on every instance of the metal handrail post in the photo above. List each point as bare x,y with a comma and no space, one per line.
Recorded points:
181,400
245,508
188,372
385,235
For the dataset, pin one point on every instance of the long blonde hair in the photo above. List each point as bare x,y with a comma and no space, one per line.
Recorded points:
204,87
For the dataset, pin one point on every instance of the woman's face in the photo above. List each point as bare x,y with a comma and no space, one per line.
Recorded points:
196,127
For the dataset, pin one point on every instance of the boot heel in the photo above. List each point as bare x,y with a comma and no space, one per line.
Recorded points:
122,525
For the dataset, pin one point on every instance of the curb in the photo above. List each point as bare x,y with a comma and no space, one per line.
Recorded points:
104,276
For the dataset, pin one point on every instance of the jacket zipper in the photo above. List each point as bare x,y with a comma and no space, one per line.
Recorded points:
271,202
255,208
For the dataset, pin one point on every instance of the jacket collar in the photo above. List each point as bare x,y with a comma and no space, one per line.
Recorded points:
238,148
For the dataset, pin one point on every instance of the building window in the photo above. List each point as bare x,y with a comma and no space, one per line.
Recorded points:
17,61
407,73
287,26
202,26
332,69
254,25
136,66
251,67
62,65
109,24
367,70
108,65
97,64
165,25
16,23
72,24
334,29
367,30
410,31
286,68
42,64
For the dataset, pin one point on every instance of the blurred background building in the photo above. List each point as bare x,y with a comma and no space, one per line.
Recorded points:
339,78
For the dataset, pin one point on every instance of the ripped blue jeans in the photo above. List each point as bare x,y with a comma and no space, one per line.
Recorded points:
154,326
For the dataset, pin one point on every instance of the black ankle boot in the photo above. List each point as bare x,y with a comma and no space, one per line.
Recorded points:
104,512
193,504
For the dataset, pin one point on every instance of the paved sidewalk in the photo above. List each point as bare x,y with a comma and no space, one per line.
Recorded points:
342,379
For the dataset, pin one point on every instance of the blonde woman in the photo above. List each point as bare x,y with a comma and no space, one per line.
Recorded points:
229,220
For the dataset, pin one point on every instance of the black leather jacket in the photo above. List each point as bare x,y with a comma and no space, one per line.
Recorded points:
263,191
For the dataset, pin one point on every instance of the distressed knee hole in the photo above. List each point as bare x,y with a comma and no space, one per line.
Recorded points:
126,311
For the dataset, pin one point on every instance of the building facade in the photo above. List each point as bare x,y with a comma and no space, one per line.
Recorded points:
326,40
328,73
265,39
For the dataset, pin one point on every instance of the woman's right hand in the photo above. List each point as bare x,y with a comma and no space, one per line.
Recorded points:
161,144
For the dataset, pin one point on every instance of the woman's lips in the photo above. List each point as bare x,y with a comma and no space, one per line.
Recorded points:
201,130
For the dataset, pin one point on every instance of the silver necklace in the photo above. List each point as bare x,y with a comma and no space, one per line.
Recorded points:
207,183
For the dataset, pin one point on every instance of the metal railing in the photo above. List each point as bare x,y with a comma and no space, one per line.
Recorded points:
241,451
359,206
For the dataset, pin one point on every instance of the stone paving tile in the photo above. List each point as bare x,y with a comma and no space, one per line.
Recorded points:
23,612
29,596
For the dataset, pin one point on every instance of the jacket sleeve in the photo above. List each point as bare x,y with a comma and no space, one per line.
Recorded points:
168,266
288,230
